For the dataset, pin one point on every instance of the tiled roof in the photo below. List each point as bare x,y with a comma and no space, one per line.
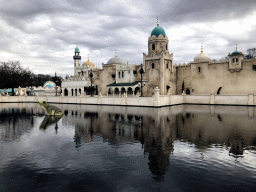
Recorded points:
123,84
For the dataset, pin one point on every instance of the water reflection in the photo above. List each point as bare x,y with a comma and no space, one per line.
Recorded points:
170,138
157,129
49,120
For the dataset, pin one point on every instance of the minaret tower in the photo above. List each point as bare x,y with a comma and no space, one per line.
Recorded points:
158,63
77,59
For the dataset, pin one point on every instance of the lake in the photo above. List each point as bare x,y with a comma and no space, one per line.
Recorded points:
111,148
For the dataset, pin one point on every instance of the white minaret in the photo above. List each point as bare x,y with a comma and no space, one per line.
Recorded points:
77,59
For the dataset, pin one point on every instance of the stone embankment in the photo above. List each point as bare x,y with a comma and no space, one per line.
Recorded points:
155,101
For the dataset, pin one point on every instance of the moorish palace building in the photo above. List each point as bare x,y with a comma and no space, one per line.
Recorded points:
202,76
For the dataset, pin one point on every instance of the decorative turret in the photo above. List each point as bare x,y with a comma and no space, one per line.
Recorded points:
158,40
235,61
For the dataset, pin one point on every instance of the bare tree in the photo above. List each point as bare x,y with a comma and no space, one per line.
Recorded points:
13,75
251,53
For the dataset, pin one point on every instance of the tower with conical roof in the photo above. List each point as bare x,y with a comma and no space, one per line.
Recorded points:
158,63
77,59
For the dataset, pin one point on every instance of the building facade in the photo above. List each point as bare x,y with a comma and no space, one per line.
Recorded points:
202,76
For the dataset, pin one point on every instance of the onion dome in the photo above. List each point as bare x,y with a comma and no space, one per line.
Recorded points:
158,30
49,84
116,60
202,57
77,50
88,63
236,52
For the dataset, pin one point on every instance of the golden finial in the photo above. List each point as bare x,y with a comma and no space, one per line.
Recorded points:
236,46
115,53
202,48
88,57
157,23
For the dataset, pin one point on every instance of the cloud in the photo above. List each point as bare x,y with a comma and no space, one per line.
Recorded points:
45,33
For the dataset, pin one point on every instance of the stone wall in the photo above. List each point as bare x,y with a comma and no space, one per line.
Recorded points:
212,76
155,101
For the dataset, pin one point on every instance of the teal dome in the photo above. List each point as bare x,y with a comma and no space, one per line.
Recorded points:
77,50
49,84
236,52
157,31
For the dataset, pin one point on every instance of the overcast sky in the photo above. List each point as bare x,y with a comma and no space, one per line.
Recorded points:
42,35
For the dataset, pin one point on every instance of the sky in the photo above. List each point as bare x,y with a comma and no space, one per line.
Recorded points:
43,35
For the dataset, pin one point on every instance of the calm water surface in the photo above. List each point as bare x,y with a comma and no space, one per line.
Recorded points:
102,148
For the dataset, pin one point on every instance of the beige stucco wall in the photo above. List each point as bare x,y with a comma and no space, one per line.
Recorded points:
215,75
103,77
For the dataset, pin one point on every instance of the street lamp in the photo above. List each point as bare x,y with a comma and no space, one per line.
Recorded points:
141,73
56,83
31,86
91,76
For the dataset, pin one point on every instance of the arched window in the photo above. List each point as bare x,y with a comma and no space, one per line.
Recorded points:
122,74
199,69
166,47
65,92
153,65
82,73
153,46
166,65
236,59
119,74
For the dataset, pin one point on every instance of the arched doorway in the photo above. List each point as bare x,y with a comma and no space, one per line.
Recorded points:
187,92
123,90
116,91
109,91
80,91
129,91
65,92
218,92
137,89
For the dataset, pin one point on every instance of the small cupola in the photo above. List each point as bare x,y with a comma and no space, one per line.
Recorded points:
77,50
235,61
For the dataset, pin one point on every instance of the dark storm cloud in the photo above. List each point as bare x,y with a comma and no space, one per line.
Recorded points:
48,31
206,11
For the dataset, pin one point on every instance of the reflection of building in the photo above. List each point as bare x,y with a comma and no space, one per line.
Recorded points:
160,134
201,76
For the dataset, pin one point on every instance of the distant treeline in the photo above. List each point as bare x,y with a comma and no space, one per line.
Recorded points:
12,75
40,79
